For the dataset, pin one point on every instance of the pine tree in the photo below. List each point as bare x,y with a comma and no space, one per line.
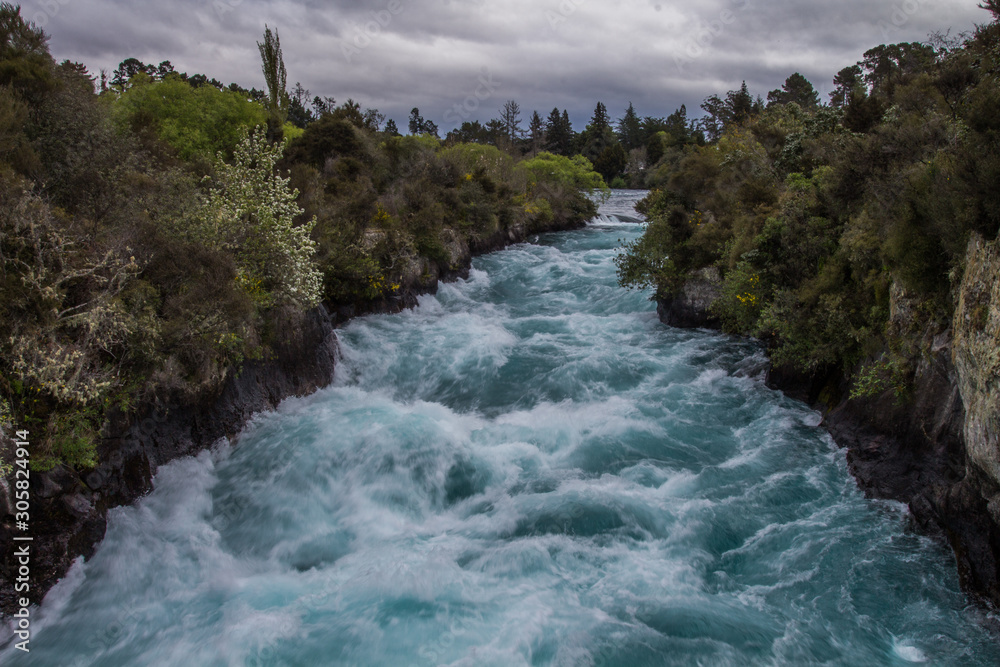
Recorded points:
600,121
536,129
567,128
630,129
740,104
598,134
510,116
416,125
552,128
796,89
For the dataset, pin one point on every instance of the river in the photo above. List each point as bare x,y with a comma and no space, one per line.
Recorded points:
527,469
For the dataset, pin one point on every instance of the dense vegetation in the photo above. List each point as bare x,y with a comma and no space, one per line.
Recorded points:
820,217
157,230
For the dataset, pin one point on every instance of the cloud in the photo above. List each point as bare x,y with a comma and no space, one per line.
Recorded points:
397,54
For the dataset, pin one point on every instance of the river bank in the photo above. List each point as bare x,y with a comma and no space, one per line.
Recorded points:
69,509
920,449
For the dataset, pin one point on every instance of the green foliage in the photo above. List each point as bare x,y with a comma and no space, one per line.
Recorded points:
574,172
196,122
25,64
876,378
646,262
742,299
814,213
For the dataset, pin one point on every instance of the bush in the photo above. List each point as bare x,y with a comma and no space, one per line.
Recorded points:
250,212
195,121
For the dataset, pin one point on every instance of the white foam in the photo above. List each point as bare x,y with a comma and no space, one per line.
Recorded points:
908,652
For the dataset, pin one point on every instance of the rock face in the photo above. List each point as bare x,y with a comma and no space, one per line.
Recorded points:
691,308
938,450
976,355
69,513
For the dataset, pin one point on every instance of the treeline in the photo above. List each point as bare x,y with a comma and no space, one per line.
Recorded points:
622,150
158,230
823,219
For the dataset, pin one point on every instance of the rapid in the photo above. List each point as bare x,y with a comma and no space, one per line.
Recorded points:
527,469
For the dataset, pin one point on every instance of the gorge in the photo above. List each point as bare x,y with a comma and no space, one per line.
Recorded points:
526,468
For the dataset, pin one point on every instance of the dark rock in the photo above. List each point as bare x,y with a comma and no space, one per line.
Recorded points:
691,309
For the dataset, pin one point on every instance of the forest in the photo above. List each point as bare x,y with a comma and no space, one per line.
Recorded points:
822,216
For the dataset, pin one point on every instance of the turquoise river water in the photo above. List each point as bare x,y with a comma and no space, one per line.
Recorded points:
527,469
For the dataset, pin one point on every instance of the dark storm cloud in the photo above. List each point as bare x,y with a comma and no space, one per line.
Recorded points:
463,58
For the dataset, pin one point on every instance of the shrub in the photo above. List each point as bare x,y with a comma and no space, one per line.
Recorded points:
195,121
250,212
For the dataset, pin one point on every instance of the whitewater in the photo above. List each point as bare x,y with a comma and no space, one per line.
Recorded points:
527,469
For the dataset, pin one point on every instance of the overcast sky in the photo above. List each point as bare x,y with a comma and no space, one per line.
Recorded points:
459,59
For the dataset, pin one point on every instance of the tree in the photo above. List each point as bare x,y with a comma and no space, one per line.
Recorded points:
250,212
848,81
796,89
598,135
886,66
600,121
391,129
630,129
472,132
419,125
495,132
25,62
163,69
567,128
536,130
323,105
195,121
273,66
558,133
127,69
373,119
510,117
298,114
678,127
571,172
740,104
611,162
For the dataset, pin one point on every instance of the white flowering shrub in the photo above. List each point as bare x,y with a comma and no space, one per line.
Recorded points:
250,211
